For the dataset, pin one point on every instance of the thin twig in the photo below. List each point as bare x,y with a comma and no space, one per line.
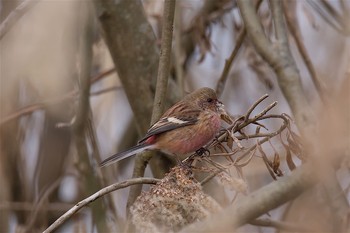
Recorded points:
105,90
251,150
250,110
102,75
95,196
293,27
228,63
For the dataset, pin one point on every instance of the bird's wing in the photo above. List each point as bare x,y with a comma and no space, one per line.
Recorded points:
172,121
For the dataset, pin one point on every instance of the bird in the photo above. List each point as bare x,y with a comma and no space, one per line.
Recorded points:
186,127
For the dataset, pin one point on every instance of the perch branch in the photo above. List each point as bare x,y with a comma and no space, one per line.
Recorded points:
160,96
164,60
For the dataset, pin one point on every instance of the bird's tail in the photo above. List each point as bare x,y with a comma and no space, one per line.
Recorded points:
122,155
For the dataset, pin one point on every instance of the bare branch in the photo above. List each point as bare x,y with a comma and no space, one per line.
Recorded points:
290,13
279,58
15,15
68,96
92,180
164,60
257,203
266,222
95,196
228,63
178,50
160,95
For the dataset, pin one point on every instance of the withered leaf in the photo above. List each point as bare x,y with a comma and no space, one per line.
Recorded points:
229,141
289,159
276,163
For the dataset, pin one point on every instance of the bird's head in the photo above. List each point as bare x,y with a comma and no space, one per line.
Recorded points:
206,99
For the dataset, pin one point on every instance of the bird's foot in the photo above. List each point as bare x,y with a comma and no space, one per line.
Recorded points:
203,152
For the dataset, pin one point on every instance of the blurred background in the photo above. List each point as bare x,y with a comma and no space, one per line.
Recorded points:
50,146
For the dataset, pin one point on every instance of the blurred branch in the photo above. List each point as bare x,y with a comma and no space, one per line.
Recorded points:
102,75
160,96
330,16
228,63
66,97
280,59
15,15
258,203
101,175
290,14
95,196
266,222
196,35
105,90
29,206
133,51
81,123
43,199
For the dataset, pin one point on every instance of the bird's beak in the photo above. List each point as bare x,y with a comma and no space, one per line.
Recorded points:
223,114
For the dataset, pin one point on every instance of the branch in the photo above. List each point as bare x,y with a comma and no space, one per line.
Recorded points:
228,63
95,196
266,222
160,96
164,60
15,15
279,58
178,50
68,96
132,45
257,203
29,206
81,124
290,11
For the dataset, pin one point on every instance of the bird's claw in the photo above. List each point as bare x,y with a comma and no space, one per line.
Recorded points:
203,152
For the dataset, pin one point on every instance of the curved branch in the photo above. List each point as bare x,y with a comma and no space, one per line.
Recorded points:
259,202
15,15
95,196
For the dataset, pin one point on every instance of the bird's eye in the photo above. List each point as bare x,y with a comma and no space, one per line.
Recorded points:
209,100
